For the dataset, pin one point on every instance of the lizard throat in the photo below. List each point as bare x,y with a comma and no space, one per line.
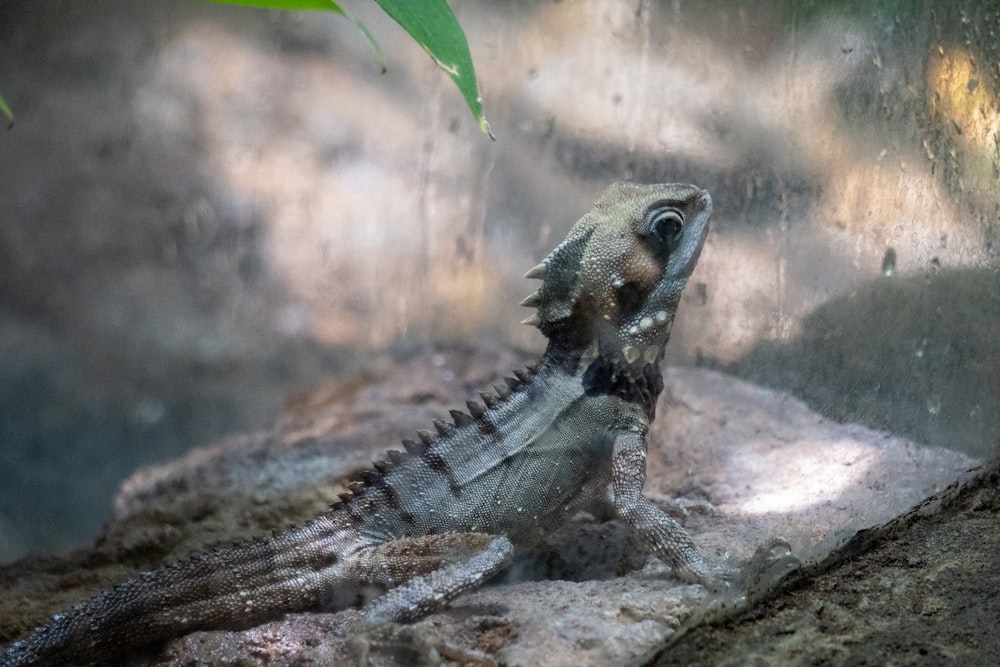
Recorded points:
608,365
613,375
609,373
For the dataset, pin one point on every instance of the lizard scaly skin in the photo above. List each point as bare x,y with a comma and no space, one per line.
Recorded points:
426,525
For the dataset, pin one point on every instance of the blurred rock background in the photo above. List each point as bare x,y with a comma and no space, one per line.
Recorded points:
204,210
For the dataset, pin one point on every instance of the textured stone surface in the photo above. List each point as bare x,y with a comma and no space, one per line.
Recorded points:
926,594
748,464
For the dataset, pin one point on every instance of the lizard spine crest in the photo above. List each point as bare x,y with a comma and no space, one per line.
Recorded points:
430,443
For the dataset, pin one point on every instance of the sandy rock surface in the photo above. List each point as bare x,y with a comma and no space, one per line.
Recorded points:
739,465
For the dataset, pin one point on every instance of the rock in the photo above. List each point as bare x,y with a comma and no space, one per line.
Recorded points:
919,590
749,465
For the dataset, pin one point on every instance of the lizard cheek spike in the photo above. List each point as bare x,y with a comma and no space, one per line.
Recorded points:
426,524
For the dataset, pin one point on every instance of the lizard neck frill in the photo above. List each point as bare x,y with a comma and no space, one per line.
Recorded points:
605,370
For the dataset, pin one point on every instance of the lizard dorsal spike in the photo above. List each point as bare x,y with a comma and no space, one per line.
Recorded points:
477,410
532,321
502,390
426,437
533,300
522,375
395,456
489,400
412,446
537,272
460,418
368,476
514,384
382,466
443,428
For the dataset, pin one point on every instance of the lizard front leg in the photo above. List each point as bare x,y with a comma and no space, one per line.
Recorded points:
664,537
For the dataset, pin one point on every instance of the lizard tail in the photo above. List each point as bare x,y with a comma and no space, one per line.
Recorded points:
238,586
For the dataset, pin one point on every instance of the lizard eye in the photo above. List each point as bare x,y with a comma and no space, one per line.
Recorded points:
666,225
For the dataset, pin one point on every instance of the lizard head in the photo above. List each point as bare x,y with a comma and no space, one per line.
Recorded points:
612,287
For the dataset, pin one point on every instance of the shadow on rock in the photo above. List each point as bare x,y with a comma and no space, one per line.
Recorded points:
912,355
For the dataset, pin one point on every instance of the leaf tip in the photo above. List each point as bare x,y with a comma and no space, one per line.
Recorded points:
485,128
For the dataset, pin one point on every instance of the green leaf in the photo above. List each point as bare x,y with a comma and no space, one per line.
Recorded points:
429,22
434,27
322,5
7,112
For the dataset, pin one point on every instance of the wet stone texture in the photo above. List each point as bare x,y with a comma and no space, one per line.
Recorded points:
737,464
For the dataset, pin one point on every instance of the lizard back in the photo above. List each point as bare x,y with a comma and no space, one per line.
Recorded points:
518,468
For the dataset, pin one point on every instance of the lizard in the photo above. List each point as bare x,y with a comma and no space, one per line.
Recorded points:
438,519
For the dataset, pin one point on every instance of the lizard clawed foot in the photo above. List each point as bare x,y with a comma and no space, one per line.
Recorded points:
716,576
771,564
408,644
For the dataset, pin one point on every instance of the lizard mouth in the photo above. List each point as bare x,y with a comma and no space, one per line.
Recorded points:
701,205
